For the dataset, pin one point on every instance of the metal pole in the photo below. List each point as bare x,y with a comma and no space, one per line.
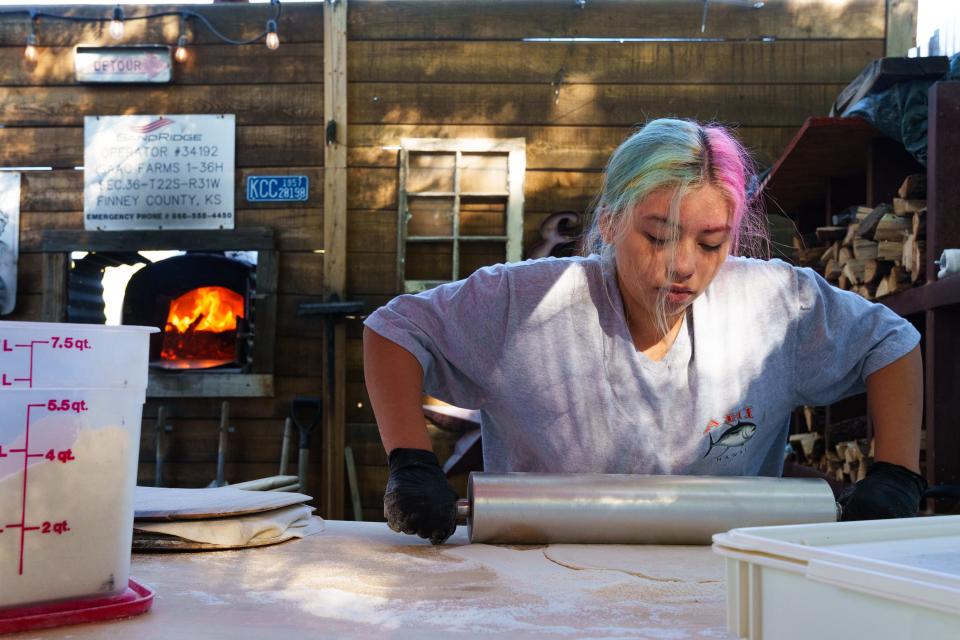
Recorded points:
352,481
222,448
539,508
158,441
285,450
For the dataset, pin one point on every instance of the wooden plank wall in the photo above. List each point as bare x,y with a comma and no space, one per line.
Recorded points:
462,69
416,68
277,97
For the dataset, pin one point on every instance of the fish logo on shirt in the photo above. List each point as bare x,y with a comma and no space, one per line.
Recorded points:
736,436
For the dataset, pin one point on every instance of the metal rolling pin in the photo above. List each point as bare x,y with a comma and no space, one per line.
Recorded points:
539,508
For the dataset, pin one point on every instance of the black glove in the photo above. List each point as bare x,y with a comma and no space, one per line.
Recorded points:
418,499
888,491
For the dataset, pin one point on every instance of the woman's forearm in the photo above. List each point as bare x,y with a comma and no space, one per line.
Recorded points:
895,401
394,382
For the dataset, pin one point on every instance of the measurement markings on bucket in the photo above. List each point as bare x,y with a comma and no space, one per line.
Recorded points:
65,456
59,343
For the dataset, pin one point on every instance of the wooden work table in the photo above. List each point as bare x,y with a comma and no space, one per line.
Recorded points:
361,580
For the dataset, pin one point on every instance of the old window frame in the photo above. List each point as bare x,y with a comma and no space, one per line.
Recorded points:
513,148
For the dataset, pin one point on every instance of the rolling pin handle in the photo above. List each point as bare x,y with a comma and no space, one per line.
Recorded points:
463,511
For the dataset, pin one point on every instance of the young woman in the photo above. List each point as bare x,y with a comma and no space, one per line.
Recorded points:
658,352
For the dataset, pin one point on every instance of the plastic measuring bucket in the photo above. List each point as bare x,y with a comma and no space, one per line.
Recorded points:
42,355
68,461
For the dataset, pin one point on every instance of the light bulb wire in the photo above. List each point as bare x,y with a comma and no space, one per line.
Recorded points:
184,15
182,37
32,36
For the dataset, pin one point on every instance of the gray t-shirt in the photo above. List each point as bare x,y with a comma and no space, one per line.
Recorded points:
542,348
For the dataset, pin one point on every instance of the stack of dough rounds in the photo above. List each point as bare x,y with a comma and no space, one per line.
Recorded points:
222,518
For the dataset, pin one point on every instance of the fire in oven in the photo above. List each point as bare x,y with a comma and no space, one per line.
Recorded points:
203,303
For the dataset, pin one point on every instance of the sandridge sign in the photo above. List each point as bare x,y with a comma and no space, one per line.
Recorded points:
159,172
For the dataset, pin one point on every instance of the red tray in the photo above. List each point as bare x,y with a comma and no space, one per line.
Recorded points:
135,600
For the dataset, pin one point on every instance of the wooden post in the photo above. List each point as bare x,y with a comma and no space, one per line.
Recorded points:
335,247
55,267
942,344
901,27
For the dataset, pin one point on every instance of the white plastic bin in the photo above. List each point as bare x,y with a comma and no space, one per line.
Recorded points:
42,355
71,400
68,467
877,579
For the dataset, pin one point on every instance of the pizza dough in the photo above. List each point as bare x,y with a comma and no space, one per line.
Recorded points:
255,529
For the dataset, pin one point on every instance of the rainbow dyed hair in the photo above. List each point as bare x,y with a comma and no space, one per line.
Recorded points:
682,155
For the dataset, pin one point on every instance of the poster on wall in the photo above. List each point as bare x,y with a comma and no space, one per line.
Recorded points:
9,239
158,172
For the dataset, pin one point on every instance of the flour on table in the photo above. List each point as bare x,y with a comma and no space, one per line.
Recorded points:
385,583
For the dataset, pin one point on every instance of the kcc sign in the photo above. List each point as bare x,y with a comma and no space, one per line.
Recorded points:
278,188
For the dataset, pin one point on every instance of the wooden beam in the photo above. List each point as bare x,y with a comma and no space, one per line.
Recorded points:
62,190
240,21
265,313
55,287
901,27
576,104
205,64
503,20
296,229
335,150
267,146
335,249
943,172
943,231
372,189
253,104
548,147
494,61
942,343
250,239
209,385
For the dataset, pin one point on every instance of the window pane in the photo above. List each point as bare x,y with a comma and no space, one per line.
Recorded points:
483,173
483,218
474,255
430,217
430,172
429,261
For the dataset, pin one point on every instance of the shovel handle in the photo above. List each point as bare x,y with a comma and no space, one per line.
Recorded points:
306,424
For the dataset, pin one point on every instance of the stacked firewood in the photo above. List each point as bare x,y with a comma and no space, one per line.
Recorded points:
880,251
848,461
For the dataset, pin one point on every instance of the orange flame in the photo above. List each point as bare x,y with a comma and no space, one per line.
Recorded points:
205,309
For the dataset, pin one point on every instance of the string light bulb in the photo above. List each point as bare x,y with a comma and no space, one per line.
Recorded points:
30,52
116,25
273,40
180,55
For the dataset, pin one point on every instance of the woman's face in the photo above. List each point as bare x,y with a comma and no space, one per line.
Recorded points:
695,251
